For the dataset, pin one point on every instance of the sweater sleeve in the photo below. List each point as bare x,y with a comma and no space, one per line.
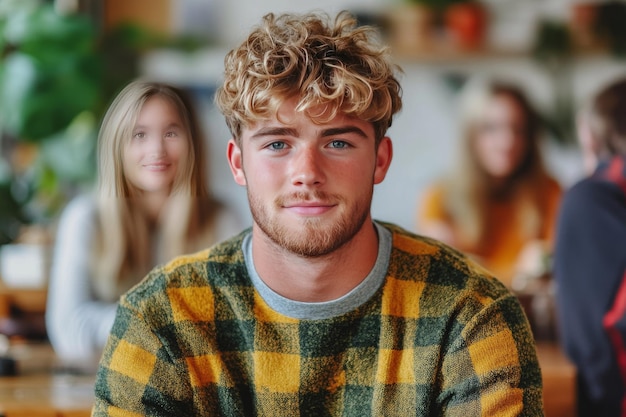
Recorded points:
589,266
490,368
77,324
139,373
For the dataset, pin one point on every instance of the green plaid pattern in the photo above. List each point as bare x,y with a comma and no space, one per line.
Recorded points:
440,337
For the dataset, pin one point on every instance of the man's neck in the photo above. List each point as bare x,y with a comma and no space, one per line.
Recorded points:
315,279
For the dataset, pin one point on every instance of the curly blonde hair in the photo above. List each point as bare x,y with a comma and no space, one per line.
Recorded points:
336,65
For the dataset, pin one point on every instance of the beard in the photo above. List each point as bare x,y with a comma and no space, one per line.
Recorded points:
315,238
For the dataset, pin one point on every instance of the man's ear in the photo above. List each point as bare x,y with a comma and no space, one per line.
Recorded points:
235,161
384,155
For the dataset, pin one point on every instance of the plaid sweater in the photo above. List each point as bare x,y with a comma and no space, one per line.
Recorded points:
438,338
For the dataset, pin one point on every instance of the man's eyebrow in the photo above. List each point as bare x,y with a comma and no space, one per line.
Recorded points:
274,131
287,131
343,130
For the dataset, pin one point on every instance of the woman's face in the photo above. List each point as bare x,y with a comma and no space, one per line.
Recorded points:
157,149
500,140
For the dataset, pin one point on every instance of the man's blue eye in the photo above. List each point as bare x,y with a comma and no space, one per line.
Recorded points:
339,144
277,145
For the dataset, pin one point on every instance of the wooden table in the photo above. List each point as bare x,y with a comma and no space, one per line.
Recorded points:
46,395
42,389
559,381
45,387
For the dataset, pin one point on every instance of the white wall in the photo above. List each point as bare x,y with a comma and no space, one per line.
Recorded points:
238,16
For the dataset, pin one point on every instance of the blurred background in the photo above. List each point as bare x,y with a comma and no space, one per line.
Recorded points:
63,60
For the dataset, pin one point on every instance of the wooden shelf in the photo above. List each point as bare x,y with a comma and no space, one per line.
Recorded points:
447,54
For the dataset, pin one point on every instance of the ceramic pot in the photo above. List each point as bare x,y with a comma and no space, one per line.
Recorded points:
411,28
466,24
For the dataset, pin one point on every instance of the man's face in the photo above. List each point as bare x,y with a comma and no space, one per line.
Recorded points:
309,185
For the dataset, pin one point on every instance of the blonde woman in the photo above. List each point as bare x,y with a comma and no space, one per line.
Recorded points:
498,203
151,204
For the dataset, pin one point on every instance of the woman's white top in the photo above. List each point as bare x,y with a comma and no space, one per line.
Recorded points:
77,323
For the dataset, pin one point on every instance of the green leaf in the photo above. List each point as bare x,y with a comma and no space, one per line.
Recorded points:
71,153
18,79
42,100
31,26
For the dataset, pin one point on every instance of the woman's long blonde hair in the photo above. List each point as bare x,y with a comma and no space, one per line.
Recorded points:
124,244
469,188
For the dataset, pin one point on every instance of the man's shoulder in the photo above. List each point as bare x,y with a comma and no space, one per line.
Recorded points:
414,244
609,178
419,258
219,265
592,192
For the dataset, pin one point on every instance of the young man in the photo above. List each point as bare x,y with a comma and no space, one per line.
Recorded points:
590,258
317,310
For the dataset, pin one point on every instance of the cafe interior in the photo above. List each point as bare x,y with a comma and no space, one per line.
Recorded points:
550,47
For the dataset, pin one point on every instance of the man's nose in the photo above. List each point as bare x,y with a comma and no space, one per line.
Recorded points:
307,167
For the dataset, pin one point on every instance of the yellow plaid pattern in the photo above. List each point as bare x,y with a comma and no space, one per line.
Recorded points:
439,338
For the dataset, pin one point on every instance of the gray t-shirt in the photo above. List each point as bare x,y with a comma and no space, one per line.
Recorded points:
327,309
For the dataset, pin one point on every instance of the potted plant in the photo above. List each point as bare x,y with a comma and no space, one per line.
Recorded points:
57,76
465,22
412,26
416,25
50,91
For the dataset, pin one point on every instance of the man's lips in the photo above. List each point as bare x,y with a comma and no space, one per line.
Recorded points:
309,207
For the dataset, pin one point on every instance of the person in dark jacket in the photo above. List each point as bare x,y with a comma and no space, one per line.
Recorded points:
590,258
